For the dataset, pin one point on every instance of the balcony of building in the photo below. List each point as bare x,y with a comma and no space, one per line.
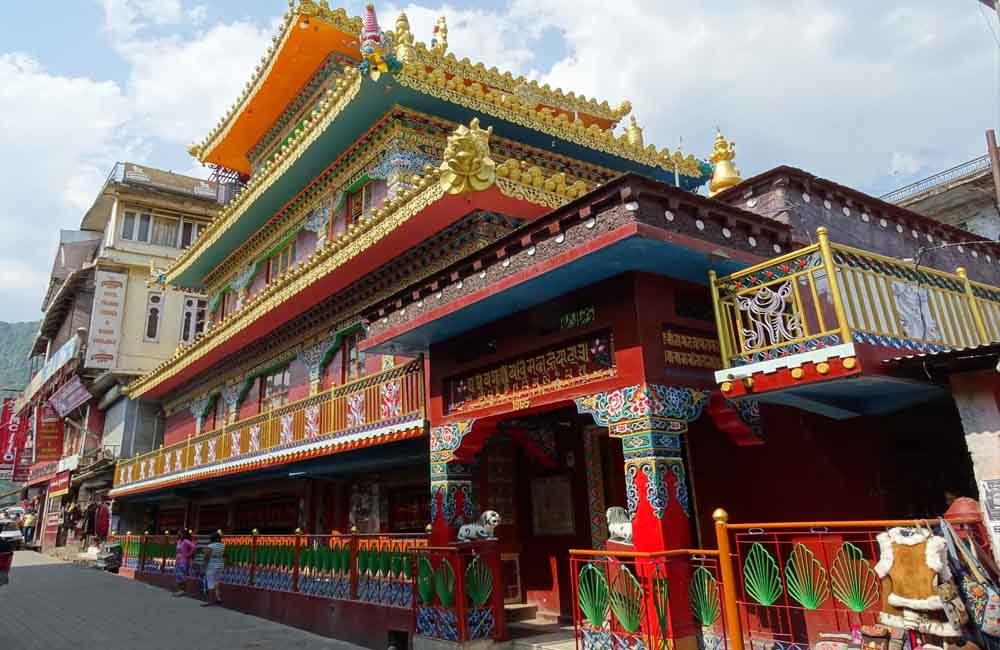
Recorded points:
811,328
297,438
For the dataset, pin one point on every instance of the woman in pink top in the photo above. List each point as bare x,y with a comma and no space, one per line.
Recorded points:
182,562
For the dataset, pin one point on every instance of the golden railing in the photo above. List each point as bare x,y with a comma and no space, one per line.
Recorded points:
828,294
390,396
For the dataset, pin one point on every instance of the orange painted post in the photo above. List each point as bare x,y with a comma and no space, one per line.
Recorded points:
732,612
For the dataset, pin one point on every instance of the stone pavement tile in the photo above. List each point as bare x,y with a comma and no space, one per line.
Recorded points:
54,605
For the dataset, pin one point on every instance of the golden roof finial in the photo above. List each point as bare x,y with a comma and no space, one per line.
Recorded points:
439,38
466,164
633,133
725,174
404,39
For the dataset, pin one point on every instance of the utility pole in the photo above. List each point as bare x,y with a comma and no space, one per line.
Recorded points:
991,148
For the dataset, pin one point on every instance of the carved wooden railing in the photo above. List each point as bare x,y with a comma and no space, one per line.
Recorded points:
365,407
828,294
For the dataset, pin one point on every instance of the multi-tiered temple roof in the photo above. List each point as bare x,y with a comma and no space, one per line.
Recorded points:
335,101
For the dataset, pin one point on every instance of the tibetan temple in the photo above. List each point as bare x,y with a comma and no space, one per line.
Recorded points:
449,303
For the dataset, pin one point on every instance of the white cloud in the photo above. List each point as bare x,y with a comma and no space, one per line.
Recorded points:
127,17
178,87
54,161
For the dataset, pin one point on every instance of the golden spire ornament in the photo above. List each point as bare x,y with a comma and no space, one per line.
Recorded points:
404,40
633,133
725,174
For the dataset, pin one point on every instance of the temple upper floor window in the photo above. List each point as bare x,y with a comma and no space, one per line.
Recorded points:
274,389
281,261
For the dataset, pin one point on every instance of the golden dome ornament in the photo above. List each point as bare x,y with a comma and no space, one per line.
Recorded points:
466,164
725,174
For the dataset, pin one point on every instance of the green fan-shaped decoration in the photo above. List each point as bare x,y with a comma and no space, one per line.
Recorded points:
855,582
396,564
478,581
425,580
362,561
444,583
704,593
661,600
593,590
806,578
626,599
761,576
406,560
345,558
384,562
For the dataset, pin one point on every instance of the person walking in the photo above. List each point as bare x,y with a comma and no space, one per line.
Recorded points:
28,526
215,562
182,560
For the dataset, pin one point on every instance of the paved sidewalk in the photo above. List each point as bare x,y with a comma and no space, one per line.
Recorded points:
55,605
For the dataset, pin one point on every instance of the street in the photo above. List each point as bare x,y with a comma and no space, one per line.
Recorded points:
54,605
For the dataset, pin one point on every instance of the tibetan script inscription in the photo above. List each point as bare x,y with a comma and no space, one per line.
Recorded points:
681,349
568,365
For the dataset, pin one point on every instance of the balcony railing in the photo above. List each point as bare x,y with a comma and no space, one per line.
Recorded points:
959,171
380,404
827,294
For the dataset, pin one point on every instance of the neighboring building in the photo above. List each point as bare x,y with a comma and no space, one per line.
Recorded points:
443,281
104,324
964,196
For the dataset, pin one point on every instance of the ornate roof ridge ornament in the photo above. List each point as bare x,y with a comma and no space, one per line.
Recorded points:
439,37
467,166
725,174
404,39
377,51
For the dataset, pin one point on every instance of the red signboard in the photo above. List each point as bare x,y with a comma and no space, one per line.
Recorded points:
69,396
49,436
59,485
8,438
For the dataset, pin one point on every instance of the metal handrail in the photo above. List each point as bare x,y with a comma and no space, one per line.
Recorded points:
958,171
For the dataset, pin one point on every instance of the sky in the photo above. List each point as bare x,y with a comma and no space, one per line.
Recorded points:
870,94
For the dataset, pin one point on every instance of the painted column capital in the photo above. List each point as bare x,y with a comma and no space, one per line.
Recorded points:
644,407
231,396
312,358
198,408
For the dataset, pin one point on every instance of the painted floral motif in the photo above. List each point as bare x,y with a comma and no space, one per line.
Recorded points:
142,471
355,410
287,433
255,438
235,442
391,404
644,401
210,456
312,421
197,453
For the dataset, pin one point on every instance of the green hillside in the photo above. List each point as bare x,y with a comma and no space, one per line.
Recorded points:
15,342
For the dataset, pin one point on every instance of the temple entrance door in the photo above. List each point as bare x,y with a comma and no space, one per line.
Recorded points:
551,477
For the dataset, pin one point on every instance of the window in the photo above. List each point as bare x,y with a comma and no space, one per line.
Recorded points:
218,415
193,318
354,359
274,389
359,203
143,234
190,232
135,227
165,231
128,226
280,261
154,310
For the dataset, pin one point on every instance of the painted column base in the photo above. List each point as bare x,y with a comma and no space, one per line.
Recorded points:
421,642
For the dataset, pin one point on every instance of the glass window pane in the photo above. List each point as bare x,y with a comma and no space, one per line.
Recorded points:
165,231
143,234
187,234
128,225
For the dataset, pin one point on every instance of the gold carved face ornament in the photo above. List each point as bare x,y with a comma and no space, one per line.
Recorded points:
467,166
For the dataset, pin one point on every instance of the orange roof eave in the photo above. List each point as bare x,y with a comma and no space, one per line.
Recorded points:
302,46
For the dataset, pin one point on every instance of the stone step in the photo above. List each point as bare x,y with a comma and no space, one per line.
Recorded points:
520,612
